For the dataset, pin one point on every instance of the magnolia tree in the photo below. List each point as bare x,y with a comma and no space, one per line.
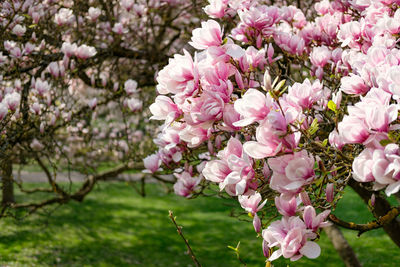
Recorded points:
282,109
74,78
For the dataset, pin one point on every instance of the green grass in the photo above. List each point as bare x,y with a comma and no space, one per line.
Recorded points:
116,227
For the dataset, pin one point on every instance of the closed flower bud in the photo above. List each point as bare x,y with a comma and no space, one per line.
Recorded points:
329,191
257,223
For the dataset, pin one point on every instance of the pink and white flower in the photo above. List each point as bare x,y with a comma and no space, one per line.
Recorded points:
210,34
291,172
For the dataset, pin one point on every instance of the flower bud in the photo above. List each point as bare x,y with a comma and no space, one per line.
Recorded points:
305,198
116,86
267,80
266,171
373,200
257,223
41,127
329,192
218,141
265,249
210,147
3,111
92,103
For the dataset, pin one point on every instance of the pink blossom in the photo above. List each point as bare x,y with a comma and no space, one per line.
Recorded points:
353,85
127,4
349,34
16,52
35,107
185,184
291,172
313,221
64,17
253,106
379,165
305,94
322,7
292,44
119,28
180,76
352,130
208,107
233,171
216,171
42,87
368,120
271,137
254,58
216,8
195,135
12,100
9,45
94,13
336,140
270,54
210,34
54,69
251,202
259,17
216,80
35,17
267,81
337,55
19,30
164,109
169,137
130,86
152,162
320,56
69,49
134,104
290,235
230,117
293,15
393,80
286,204
92,103
362,166
85,52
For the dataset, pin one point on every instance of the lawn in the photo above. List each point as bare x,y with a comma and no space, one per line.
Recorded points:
116,227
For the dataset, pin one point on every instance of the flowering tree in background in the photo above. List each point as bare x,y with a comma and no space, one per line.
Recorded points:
283,107
75,78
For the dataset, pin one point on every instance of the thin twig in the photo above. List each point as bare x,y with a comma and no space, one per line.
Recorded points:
179,230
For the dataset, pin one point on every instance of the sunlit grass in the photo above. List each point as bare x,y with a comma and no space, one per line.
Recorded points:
116,227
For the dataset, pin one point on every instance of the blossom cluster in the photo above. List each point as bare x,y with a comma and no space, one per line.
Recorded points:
285,140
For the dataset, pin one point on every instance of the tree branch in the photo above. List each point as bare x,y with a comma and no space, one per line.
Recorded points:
362,228
179,230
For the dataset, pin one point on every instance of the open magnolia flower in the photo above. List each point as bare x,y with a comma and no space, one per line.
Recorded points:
297,110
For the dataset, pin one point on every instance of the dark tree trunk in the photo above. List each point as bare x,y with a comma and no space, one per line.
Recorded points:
381,208
7,182
342,246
